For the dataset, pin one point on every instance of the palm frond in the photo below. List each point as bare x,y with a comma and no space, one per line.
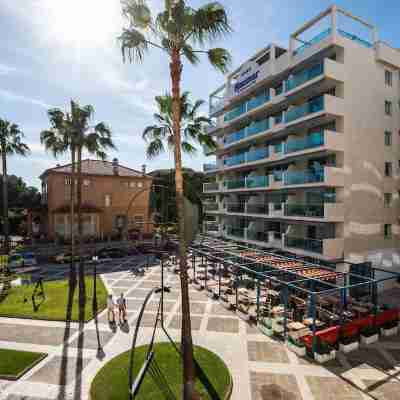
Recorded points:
188,148
137,12
190,55
220,59
155,148
133,45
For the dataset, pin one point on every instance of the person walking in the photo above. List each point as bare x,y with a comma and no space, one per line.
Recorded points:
121,302
110,308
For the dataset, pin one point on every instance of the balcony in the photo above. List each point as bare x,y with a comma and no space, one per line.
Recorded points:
236,112
250,182
238,208
210,187
210,207
257,209
250,156
253,129
310,107
211,227
315,139
331,248
257,236
303,177
316,39
236,232
329,212
235,160
209,167
304,76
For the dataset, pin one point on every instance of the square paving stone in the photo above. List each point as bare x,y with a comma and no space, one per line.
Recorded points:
60,370
177,319
368,358
103,319
383,390
127,283
252,329
217,309
90,339
44,335
149,284
265,386
138,293
195,308
198,296
153,306
267,352
330,388
227,325
23,397
149,319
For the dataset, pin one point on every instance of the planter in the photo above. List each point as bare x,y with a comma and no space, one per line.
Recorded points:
265,329
347,348
369,339
323,358
299,350
242,315
390,332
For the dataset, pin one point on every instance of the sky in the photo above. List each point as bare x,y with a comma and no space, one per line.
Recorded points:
56,50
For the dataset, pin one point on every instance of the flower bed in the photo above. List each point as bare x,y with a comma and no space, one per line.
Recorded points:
390,328
296,347
348,344
324,352
369,335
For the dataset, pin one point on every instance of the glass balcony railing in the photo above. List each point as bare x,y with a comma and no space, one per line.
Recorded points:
315,139
357,39
307,244
236,208
211,206
210,187
236,232
257,209
257,236
311,107
235,184
211,227
304,76
258,154
236,136
235,160
278,119
209,167
257,181
236,112
257,127
302,177
304,210
316,39
258,100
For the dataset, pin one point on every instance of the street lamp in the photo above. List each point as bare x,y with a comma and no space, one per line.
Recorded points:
95,260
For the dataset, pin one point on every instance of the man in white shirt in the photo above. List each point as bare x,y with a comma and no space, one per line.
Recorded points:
121,302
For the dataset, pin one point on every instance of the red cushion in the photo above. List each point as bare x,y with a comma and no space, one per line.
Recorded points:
350,329
387,316
329,335
307,341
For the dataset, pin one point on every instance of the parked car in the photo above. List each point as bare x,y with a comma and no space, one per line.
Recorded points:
65,258
111,252
15,261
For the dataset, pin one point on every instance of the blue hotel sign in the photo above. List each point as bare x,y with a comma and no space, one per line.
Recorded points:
247,81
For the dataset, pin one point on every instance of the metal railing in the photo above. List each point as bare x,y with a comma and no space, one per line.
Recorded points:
236,232
210,187
211,206
257,209
304,76
257,181
209,167
236,208
302,177
315,139
310,107
316,39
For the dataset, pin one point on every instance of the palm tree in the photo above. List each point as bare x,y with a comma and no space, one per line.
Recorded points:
176,31
192,127
59,139
72,132
10,143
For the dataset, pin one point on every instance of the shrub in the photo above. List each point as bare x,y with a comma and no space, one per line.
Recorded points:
349,339
323,347
369,331
390,324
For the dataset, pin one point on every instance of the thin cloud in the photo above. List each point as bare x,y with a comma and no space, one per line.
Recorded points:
10,96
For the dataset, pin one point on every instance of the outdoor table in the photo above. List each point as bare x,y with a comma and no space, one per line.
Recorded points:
278,309
309,322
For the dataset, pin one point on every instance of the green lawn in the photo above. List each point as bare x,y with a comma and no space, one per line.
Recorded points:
111,382
13,363
53,306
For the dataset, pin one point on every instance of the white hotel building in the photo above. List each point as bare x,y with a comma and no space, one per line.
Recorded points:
309,146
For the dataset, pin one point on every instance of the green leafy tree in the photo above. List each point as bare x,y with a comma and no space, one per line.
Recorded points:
10,144
181,33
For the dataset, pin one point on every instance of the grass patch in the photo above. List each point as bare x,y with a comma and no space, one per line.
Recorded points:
111,382
54,305
13,363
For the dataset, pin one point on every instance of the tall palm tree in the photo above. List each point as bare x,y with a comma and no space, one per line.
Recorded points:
192,127
60,139
176,31
10,143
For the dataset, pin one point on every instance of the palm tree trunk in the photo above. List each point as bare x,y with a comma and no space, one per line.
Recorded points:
6,229
186,332
72,270
81,272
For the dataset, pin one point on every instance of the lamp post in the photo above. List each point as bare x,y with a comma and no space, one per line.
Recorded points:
95,260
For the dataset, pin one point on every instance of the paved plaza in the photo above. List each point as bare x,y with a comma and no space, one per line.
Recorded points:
262,368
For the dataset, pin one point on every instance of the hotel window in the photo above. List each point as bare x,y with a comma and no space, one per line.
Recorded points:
107,200
388,107
388,77
387,231
387,200
140,184
132,184
86,182
68,181
138,219
388,169
388,138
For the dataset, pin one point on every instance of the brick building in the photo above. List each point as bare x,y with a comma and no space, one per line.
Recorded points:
114,198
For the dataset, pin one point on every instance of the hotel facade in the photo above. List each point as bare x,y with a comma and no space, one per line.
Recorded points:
308,146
